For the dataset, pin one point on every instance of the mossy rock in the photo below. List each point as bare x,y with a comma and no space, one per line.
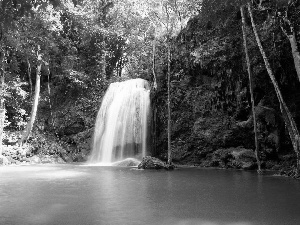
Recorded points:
149,162
244,158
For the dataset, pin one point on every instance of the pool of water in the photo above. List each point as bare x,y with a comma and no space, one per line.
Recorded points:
86,195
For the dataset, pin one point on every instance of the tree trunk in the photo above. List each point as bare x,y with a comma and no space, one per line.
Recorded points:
295,52
251,89
291,35
2,118
287,116
153,65
154,125
169,106
2,80
103,64
30,123
2,109
29,76
120,66
49,93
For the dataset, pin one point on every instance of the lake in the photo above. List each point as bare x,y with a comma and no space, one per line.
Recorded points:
87,195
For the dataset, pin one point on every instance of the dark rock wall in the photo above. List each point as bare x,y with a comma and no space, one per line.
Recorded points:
210,100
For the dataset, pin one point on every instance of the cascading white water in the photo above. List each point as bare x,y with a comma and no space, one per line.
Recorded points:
121,128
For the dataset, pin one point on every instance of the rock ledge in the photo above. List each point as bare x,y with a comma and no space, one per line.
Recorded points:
149,162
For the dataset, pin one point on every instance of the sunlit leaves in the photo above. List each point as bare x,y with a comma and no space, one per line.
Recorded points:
12,10
51,18
206,53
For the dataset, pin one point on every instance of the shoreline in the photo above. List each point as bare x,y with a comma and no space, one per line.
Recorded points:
205,164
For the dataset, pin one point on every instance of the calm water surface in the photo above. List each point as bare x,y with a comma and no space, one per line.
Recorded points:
84,195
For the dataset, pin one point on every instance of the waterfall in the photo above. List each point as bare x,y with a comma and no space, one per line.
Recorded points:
122,123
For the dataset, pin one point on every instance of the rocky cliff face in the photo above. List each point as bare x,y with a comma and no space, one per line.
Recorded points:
211,111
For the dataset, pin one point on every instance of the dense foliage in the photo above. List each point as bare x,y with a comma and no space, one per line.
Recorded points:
86,45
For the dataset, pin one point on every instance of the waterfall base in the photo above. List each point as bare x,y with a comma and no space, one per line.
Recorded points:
128,162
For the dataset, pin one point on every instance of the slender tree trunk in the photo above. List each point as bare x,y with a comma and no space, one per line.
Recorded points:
251,89
153,64
103,64
287,116
2,83
120,67
2,108
2,88
169,105
29,76
291,35
31,121
2,78
154,125
2,118
165,7
2,111
49,93
155,88
295,52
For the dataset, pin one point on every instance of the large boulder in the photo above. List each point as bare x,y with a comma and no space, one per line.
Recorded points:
149,162
244,158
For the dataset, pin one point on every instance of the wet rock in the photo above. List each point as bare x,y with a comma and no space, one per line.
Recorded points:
58,160
149,162
46,159
248,165
73,128
127,162
244,158
79,158
66,158
35,159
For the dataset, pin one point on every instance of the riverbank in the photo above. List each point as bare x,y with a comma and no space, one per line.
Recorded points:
225,159
283,166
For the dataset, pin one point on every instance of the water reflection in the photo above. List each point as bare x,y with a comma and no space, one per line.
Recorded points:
39,171
73,194
201,222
